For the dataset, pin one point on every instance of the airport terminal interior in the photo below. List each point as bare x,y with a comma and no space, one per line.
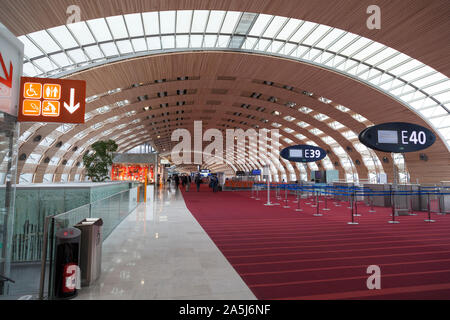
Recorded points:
224,150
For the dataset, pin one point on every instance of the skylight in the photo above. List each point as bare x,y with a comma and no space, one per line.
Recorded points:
62,50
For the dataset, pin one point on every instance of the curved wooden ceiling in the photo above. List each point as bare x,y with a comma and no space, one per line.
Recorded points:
420,28
210,96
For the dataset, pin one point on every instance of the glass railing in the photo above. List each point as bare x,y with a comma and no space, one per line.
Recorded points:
111,210
36,201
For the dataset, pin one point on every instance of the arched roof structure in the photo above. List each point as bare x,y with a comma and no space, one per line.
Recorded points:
152,69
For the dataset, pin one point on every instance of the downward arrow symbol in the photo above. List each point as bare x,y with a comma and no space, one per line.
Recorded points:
72,108
8,81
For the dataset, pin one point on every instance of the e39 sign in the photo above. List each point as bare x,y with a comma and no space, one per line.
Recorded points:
397,137
303,153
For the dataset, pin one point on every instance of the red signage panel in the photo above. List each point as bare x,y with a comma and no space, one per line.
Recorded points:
52,100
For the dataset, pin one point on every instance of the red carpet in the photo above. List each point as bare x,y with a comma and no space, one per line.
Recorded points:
284,254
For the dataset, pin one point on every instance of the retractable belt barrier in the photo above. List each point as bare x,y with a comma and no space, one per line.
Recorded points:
314,193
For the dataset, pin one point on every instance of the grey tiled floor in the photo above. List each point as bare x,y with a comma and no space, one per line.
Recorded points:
160,252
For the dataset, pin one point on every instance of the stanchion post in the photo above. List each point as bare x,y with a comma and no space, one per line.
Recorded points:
298,203
439,196
317,214
410,202
307,197
296,193
371,203
286,206
353,219
350,201
314,199
268,195
326,204
429,210
355,199
393,207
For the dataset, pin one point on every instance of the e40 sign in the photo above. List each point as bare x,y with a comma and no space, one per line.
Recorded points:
397,137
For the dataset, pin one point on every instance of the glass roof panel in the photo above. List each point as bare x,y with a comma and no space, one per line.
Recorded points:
316,34
139,44
151,23
167,21
229,24
329,38
245,23
288,29
399,58
100,29
262,44
30,50
43,40
182,41
77,55
215,21
168,42
442,86
344,41
117,27
199,20
93,52
109,49
124,46
62,59
134,24
45,64
184,21
30,70
404,67
274,27
303,31
222,41
355,46
81,33
196,41
63,36
260,24
209,41
369,50
154,43
275,46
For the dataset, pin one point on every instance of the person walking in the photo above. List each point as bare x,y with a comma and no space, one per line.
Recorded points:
198,181
188,183
214,183
177,182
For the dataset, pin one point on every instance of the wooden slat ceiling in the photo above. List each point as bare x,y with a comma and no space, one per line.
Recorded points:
419,28
245,73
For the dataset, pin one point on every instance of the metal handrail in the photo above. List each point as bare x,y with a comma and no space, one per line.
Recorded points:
6,279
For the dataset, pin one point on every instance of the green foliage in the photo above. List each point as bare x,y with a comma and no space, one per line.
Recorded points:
97,162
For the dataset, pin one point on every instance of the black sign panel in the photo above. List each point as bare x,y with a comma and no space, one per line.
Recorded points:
303,153
397,137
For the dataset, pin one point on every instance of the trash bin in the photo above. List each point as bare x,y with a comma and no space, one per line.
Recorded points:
91,249
67,260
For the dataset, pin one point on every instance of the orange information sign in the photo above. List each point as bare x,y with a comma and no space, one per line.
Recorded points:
52,100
